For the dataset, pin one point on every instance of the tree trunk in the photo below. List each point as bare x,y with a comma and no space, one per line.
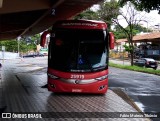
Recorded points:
131,57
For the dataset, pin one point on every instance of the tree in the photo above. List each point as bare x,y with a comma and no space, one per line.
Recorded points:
29,43
36,39
119,34
10,46
108,11
133,18
87,14
25,44
140,28
146,5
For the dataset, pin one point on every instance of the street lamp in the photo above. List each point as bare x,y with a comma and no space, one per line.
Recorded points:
18,39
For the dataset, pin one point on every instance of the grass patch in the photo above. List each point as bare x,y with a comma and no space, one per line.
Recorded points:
135,68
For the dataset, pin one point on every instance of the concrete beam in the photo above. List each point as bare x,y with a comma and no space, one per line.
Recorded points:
1,3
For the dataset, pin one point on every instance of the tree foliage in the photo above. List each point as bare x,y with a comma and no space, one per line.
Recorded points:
127,48
25,44
119,34
106,12
133,18
140,28
146,5
87,14
10,46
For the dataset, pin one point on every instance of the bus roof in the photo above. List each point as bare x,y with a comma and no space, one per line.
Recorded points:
81,24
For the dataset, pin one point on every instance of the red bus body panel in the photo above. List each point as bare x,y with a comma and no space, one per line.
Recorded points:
78,82
60,86
81,24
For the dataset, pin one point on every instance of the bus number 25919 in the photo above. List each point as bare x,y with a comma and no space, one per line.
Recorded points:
74,76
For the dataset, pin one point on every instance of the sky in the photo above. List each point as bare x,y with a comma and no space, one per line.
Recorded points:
151,19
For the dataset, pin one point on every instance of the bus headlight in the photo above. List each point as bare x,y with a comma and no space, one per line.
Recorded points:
52,76
102,77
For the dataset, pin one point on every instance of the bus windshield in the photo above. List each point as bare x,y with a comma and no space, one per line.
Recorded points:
78,50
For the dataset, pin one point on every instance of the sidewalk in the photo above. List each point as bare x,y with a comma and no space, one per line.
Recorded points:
119,61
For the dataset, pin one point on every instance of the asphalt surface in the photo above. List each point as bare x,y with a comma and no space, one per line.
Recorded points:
22,91
142,88
136,84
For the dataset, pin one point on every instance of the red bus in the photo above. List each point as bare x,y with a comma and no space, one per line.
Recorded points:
78,56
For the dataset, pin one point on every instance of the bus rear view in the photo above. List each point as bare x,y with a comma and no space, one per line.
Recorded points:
78,56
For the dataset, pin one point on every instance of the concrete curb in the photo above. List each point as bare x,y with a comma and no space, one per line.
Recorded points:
127,99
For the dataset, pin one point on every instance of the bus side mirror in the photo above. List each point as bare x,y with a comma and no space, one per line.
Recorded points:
43,38
111,40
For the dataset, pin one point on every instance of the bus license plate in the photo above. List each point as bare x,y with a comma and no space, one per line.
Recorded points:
76,90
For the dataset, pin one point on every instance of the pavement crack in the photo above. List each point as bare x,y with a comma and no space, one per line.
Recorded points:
41,69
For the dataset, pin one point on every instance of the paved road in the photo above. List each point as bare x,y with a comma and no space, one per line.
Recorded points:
21,91
143,89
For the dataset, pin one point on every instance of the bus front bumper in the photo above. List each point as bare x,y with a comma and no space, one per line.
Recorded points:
99,87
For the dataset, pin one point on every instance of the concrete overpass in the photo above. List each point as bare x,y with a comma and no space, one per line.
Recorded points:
29,17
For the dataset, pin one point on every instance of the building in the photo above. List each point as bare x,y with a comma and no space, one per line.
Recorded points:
148,45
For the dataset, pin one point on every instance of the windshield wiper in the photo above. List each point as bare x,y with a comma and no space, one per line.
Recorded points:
98,68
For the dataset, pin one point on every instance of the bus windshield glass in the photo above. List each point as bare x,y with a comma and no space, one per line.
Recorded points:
78,50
